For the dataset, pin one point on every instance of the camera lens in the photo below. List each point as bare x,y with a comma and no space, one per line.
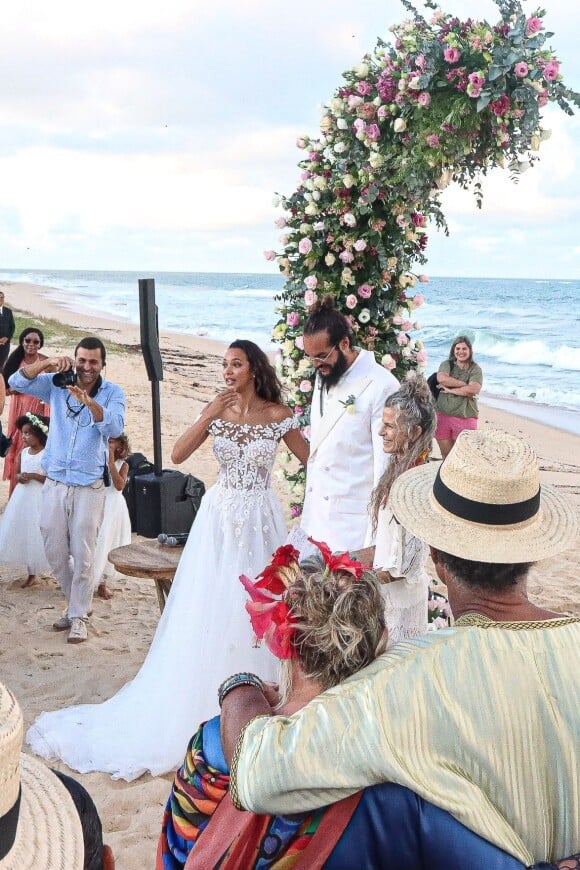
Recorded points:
64,379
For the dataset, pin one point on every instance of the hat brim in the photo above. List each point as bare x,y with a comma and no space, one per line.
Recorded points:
552,530
49,833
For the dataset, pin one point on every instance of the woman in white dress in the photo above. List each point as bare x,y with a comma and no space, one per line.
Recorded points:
409,422
20,538
204,633
115,529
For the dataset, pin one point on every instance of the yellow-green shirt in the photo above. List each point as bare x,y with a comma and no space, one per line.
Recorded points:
483,721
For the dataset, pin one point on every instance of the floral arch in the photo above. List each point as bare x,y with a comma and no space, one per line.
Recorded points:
447,101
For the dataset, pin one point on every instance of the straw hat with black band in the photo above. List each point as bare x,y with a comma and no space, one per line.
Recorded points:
485,502
39,824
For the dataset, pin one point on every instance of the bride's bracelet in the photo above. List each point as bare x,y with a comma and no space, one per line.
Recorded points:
242,679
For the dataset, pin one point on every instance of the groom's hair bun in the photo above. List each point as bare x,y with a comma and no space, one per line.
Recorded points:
323,316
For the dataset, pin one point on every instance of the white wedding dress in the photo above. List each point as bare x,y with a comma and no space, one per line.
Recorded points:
204,633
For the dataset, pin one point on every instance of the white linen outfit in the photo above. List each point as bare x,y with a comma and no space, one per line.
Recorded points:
346,453
204,634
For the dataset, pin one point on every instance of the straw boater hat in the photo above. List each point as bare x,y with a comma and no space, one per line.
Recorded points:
485,503
40,827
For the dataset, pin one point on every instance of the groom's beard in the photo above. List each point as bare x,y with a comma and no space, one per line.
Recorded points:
336,372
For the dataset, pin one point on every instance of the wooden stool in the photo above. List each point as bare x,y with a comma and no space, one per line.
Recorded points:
151,560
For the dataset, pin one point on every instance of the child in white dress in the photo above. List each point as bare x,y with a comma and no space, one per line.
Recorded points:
115,529
20,538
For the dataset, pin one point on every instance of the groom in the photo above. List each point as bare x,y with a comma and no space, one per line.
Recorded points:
346,451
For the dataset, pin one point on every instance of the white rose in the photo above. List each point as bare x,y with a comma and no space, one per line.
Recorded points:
316,195
348,180
320,183
400,125
376,160
340,147
361,70
311,209
330,259
364,316
342,124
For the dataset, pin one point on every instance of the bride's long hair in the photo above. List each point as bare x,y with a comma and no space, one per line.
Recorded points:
413,406
266,381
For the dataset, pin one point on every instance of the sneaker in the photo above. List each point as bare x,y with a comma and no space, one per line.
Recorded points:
61,624
78,630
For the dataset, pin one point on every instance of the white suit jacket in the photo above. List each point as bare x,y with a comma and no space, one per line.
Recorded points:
346,454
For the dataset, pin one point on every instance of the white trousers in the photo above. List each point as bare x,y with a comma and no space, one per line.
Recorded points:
70,521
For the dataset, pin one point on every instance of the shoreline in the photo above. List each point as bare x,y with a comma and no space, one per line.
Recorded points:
33,301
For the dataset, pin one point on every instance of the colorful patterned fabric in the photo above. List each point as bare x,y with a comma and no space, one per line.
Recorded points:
197,790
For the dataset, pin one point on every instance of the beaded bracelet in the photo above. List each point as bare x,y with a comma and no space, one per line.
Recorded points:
242,679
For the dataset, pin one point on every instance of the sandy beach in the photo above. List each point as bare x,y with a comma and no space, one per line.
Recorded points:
46,674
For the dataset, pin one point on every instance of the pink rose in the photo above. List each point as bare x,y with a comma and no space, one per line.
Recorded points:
298,410
300,340
301,143
521,69
402,339
364,88
388,362
311,282
551,71
424,99
305,386
543,98
533,25
270,255
353,101
295,511
280,223
351,301
293,318
309,298
397,320
422,357
346,256
306,432
365,291
360,245
419,299
407,326
373,132
359,125
433,140
304,246
451,55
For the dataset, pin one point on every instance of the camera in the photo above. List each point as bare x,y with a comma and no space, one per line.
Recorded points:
65,379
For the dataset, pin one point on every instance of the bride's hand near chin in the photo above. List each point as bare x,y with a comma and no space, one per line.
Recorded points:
196,434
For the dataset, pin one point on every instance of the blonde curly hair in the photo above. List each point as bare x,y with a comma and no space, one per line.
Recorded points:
339,623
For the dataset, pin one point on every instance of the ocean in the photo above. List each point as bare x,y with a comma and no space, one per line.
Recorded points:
526,332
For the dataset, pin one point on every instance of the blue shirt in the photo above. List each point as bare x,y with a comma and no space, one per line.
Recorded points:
77,450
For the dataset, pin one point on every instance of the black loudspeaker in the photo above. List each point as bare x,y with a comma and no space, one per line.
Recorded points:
163,503
150,329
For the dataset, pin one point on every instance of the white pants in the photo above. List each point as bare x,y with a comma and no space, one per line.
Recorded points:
70,521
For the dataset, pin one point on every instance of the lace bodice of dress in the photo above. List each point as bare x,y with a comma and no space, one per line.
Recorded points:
246,452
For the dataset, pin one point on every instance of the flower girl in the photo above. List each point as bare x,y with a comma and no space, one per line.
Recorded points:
115,529
20,538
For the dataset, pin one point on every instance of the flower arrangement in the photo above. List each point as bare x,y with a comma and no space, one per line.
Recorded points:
447,101
349,404
37,422
270,605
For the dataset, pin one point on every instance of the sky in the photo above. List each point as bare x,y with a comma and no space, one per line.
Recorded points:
141,136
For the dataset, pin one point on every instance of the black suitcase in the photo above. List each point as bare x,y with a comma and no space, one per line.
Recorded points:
166,503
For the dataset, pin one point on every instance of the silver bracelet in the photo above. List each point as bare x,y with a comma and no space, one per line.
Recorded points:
245,678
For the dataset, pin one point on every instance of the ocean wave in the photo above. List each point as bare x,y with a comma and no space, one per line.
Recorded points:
253,292
532,352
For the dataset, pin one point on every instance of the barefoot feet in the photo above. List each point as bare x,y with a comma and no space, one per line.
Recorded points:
104,592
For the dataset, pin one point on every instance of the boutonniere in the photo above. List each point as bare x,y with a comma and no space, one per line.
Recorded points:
350,404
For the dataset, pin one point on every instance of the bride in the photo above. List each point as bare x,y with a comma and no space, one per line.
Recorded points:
203,634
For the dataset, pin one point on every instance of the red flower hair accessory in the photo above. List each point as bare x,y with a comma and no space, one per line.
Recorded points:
339,561
271,615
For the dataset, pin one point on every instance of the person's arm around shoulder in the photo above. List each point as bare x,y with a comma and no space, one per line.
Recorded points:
197,433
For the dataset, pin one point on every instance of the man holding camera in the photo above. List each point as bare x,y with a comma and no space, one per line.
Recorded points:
85,411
